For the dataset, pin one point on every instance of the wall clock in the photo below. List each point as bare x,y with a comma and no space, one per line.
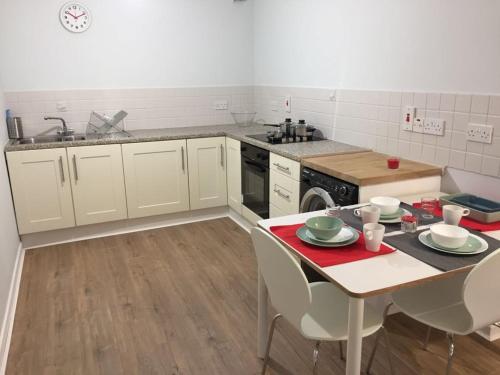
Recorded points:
75,17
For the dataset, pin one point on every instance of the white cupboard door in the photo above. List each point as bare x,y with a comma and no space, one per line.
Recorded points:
207,172
41,190
156,177
234,174
97,182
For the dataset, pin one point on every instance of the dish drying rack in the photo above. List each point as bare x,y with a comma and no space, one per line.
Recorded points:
100,124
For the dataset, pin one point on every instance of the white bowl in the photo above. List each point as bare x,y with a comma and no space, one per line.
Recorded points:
449,236
387,205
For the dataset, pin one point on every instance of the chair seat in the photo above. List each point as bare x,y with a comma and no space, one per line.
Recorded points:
438,304
452,318
328,315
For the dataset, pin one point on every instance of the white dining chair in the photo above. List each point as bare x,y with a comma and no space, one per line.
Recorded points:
459,305
319,311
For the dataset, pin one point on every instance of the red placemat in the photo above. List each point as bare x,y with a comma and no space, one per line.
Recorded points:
325,257
467,222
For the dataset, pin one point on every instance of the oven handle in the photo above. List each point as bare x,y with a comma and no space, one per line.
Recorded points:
256,165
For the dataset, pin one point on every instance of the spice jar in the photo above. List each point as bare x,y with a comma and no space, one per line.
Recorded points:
409,224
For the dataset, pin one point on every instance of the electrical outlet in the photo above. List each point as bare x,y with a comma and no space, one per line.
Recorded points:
288,104
61,107
418,125
408,118
221,105
434,126
479,133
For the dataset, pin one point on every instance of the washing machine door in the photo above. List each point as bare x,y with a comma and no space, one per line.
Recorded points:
315,199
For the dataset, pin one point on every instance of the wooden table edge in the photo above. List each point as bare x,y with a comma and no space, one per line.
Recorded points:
442,275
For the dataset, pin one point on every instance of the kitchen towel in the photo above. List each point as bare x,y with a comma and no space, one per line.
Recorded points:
408,243
354,221
325,257
467,222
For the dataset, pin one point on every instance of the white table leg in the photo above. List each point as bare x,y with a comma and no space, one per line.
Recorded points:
355,335
261,317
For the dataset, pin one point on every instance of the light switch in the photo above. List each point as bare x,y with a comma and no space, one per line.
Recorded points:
288,104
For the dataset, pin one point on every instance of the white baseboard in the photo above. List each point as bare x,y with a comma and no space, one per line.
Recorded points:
490,333
34,240
240,220
10,311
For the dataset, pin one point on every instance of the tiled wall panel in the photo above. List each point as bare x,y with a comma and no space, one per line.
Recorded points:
147,108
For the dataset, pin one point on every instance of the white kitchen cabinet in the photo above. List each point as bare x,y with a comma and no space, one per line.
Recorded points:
284,193
156,177
234,174
97,183
275,212
41,190
207,172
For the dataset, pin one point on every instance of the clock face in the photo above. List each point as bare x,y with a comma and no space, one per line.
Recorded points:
75,17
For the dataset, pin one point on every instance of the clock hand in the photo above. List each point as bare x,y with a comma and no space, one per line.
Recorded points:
80,15
71,14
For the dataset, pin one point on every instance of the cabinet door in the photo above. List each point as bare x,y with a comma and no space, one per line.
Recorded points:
233,174
41,190
97,182
156,177
207,172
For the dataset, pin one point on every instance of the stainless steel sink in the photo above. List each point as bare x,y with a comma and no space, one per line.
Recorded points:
50,139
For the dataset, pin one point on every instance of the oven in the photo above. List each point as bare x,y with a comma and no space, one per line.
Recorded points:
255,179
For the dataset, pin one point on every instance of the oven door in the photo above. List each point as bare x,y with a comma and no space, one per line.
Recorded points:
255,187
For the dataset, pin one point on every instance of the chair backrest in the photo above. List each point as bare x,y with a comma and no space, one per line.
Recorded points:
481,291
286,283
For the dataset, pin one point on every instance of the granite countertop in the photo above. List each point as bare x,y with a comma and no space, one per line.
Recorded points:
295,151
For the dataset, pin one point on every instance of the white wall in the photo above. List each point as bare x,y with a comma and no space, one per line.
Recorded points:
131,43
424,45
9,240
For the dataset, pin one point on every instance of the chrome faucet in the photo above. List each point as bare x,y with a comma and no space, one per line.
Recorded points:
64,131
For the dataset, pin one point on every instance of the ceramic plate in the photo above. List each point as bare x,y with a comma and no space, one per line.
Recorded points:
396,218
395,215
344,235
302,234
474,245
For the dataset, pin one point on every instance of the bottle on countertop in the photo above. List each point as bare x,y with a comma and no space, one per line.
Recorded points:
14,125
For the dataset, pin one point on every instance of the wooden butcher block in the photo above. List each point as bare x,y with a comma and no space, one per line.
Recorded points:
369,168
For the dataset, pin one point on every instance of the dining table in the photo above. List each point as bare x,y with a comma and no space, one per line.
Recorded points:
362,279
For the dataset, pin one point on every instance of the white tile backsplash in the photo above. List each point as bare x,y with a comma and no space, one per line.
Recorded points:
457,110
147,108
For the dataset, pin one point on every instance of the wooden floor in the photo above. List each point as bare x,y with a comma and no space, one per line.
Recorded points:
181,300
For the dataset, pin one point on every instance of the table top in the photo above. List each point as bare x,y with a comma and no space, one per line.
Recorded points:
373,276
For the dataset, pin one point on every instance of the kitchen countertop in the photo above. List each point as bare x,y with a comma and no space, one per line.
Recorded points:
295,151
369,168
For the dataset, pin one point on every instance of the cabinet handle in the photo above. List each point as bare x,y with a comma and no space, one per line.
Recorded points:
222,156
282,195
75,167
61,169
182,155
279,166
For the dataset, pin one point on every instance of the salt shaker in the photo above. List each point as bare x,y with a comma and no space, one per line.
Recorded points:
409,224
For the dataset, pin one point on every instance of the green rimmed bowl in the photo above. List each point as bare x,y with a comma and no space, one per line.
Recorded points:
324,227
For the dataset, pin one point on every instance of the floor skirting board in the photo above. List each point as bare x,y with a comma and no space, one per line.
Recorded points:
10,311
114,228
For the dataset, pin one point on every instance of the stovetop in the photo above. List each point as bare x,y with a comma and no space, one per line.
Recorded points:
273,140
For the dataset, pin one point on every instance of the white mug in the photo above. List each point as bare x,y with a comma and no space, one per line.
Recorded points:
369,214
453,214
374,234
